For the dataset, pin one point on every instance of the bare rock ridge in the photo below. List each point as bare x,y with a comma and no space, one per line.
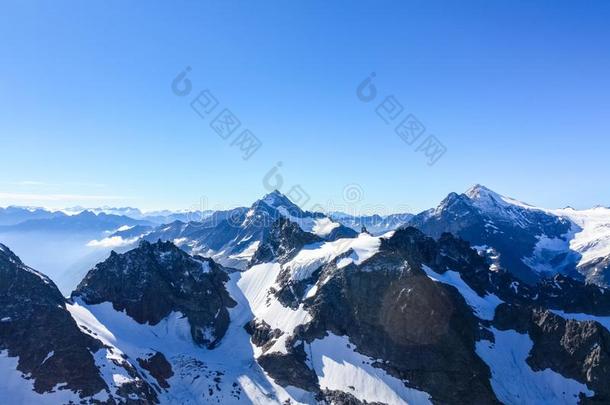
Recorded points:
153,280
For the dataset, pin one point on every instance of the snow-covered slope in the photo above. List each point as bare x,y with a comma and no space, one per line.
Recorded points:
587,242
515,382
341,368
228,374
591,240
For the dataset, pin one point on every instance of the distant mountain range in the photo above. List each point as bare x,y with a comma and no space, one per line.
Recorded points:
531,242
13,215
374,224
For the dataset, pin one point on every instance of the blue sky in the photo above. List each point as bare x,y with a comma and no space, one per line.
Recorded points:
517,92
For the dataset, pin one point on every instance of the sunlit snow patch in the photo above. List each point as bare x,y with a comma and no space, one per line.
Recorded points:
255,284
340,367
514,382
484,307
319,226
311,257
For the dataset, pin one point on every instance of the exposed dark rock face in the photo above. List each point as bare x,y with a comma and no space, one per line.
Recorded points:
557,292
576,350
261,333
35,322
282,242
422,330
565,293
290,369
158,367
341,232
290,292
387,306
37,328
154,280
137,391
285,368
342,398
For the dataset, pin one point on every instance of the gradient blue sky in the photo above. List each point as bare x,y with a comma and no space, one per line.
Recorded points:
519,93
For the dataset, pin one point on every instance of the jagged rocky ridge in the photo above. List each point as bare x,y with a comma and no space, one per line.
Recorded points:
282,241
396,318
154,280
392,310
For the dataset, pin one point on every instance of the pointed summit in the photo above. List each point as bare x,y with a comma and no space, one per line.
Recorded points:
280,202
488,200
276,199
479,191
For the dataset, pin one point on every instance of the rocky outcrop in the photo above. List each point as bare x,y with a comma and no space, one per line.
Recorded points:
261,333
154,280
158,367
290,369
53,352
342,398
282,242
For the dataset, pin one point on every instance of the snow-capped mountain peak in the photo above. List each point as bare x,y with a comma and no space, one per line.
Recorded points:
277,200
488,200
521,233
232,237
